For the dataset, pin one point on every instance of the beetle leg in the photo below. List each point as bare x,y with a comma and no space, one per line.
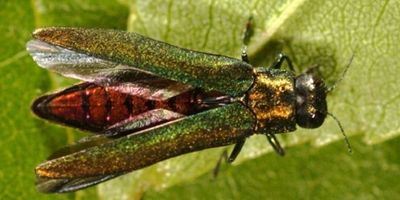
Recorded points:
244,55
236,150
278,62
247,34
248,31
224,156
275,144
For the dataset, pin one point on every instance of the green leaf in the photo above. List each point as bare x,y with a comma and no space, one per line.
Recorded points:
327,33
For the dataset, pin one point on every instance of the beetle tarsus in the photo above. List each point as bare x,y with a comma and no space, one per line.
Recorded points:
248,31
236,150
281,58
247,34
275,144
224,156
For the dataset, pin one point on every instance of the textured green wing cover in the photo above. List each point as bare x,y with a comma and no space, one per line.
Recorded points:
208,71
212,128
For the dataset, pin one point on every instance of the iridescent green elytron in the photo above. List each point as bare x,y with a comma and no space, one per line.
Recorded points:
190,67
233,100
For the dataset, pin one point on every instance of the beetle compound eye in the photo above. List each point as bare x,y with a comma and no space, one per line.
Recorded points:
311,105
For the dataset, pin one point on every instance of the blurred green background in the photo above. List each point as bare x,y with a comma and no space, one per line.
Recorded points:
317,165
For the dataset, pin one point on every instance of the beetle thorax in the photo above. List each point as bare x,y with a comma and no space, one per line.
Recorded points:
272,100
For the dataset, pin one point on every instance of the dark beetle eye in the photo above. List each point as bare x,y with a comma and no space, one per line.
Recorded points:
311,105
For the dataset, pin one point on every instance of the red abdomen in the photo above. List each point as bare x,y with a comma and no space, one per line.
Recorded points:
95,108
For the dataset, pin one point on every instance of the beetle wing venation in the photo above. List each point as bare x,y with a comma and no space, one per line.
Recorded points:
152,89
70,63
139,122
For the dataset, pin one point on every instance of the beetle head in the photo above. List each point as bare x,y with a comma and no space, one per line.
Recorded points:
311,107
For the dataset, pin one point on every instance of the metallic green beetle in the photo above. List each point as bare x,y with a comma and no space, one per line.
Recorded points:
148,101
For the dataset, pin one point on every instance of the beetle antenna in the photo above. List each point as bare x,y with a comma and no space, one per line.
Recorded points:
329,89
342,130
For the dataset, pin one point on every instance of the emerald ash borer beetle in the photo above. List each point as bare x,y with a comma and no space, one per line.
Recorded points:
147,101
